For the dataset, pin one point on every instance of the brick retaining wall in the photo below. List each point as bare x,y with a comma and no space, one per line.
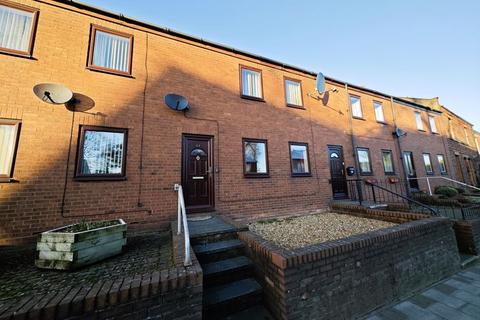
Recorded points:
348,277
174,293
468,236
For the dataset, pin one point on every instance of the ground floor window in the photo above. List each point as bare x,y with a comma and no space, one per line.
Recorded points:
255,157
387,159
299,159
441,163
102,153
364,162
428,163
9,130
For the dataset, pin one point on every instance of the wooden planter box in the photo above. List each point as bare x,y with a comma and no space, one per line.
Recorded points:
71,250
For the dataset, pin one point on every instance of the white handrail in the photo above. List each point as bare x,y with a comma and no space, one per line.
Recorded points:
444,178
182,217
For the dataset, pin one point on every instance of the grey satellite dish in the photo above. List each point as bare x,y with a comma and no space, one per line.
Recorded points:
176,102
320,84
399,132
53,93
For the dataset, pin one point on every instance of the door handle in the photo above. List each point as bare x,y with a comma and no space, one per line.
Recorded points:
198,178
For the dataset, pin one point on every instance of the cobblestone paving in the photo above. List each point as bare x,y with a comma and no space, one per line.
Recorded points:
455,298
144,253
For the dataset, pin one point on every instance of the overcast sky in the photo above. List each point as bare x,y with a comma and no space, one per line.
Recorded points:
405,48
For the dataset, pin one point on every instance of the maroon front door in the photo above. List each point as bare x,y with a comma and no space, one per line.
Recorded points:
197,173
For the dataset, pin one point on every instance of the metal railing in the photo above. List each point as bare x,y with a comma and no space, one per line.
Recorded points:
182,220
445,179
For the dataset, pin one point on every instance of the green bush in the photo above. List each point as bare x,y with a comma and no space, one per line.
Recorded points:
446,191
460,190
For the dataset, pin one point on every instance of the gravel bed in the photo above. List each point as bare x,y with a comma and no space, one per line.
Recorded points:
293,233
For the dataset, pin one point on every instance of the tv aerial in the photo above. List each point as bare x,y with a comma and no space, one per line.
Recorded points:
53,93
320,88
176,102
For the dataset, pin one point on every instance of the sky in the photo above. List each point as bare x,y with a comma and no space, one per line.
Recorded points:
411,48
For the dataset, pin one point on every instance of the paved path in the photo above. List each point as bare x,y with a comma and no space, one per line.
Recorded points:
455,298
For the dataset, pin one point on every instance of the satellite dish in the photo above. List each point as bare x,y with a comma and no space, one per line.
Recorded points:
52,93
176,102
320,84
399,132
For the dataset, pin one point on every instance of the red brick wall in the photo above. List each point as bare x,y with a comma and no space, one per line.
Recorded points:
209,78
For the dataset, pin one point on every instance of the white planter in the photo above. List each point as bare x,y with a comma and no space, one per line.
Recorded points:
71,250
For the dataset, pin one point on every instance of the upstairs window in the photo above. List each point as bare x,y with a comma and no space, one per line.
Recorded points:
110,51
418,120
441,163
251,83
433,125
387,159
364,162
299,159
465,131
102,153
255,158
17,28
9,130
378,107
428,163
451,129
293,93
356,107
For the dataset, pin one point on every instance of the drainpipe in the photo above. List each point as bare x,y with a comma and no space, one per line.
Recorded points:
354,148
399,146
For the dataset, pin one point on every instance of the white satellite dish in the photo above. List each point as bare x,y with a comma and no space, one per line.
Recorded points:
320,83
53,93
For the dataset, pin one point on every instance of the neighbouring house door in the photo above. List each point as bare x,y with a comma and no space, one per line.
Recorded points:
337,172
197,173
410,169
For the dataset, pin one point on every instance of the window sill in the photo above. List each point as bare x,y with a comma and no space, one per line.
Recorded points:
366,174
252,98
382,122
422,130
390,173
359,118
296,107
444,173
99,178
18,54
436,133
254,176
9,180
110,71
301,175
430,173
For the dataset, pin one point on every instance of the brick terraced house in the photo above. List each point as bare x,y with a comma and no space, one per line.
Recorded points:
257,140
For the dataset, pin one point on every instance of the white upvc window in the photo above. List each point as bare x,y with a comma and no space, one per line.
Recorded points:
9,130
378,107
356,107
293,93
418,120
433,125
251,85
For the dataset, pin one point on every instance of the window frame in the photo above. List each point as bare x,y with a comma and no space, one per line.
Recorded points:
350,96
291,105
255,174
428,173
33,30
302,174
18,126
465,132
421,121
388,173
91,47
243,96
375,102
362,173
100,177
430,119
442,172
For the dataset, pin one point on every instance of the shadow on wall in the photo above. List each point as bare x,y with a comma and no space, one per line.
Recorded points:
154,153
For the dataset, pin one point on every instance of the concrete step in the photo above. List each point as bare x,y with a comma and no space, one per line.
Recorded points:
468,260
215,251
223,300
227,270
